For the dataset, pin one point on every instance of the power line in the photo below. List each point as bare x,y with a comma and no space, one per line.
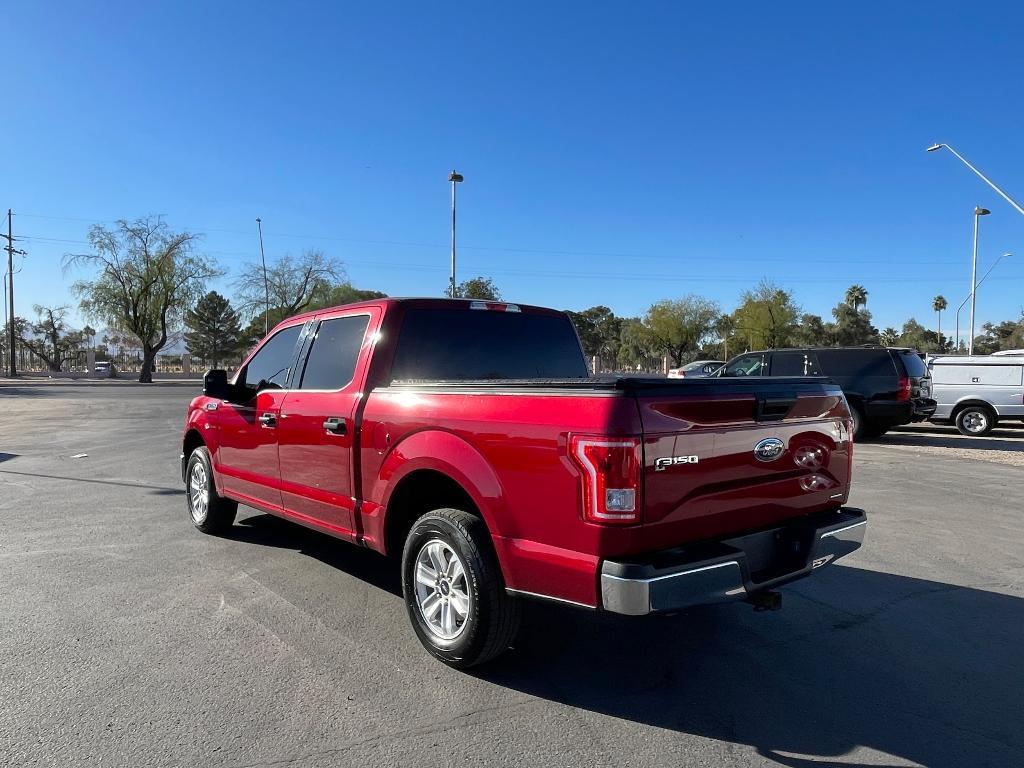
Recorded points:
440,245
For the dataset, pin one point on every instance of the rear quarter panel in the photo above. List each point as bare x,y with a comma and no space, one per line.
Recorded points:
509,452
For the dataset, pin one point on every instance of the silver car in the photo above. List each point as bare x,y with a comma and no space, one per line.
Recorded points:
696,370
976,392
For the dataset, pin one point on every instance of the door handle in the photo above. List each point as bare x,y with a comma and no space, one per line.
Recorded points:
335,425
268,420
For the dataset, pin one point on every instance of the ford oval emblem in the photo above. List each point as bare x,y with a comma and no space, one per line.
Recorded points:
769,449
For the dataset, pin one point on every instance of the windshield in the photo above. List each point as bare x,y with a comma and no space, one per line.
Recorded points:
748,365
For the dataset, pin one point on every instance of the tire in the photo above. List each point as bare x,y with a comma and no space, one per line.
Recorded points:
465,618
975,420
209,512
860,427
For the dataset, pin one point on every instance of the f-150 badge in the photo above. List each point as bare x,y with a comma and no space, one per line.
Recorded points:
660,465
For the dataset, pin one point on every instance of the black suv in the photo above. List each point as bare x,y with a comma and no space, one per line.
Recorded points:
885,386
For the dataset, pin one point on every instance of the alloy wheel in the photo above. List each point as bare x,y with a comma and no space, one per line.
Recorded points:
199,492
442,590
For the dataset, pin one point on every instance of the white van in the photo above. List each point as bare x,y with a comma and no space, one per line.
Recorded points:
976,392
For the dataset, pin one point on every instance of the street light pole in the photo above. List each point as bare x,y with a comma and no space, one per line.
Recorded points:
454,177
957,337
266,285
978,213
982,176
971,295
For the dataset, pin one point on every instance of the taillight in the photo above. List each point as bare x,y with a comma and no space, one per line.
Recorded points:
611,477
904,390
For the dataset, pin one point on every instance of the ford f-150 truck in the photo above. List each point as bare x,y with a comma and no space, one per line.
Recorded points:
468,439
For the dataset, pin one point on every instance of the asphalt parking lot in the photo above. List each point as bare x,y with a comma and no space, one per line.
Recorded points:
128,638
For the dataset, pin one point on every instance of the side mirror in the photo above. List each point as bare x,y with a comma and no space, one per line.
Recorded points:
215,384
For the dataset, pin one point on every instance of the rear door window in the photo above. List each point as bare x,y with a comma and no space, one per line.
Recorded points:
335,351
856,362
794,364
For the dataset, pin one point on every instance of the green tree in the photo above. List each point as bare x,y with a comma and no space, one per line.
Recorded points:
725,328
679,327
90,334
811,332
890,337
346,293
1009,334
294,285
916,336
767,316
939,305
214,333
482,288
49,337
599,330
852,327
856,295
148,278
638,348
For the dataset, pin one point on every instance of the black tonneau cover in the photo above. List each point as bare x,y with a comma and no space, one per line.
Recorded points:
630,384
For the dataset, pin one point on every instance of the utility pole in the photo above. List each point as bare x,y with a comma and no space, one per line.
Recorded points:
11,250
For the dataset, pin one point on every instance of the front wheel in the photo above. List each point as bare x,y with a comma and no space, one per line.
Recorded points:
453,589
975,421
210,513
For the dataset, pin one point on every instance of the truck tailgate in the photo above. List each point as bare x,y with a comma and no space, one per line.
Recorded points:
722,456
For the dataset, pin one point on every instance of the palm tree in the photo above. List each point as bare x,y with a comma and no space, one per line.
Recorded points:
856,295
889,337
725,325
938,304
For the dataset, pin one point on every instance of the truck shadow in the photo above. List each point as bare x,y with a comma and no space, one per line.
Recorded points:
913,669
359,562
942,441
920,670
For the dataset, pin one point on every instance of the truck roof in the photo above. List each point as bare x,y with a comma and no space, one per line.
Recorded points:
976,360
858,348
426,302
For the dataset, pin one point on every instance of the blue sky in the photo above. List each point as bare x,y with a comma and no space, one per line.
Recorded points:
614,153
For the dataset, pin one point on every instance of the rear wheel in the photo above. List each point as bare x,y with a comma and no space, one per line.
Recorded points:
975,421
210,513
453,589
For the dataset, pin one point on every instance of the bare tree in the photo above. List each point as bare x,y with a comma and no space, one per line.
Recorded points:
49,338
148,277
294,284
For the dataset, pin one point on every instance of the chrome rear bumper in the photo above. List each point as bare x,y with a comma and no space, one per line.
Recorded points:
730,569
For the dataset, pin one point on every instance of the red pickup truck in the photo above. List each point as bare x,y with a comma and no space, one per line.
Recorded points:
468,438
